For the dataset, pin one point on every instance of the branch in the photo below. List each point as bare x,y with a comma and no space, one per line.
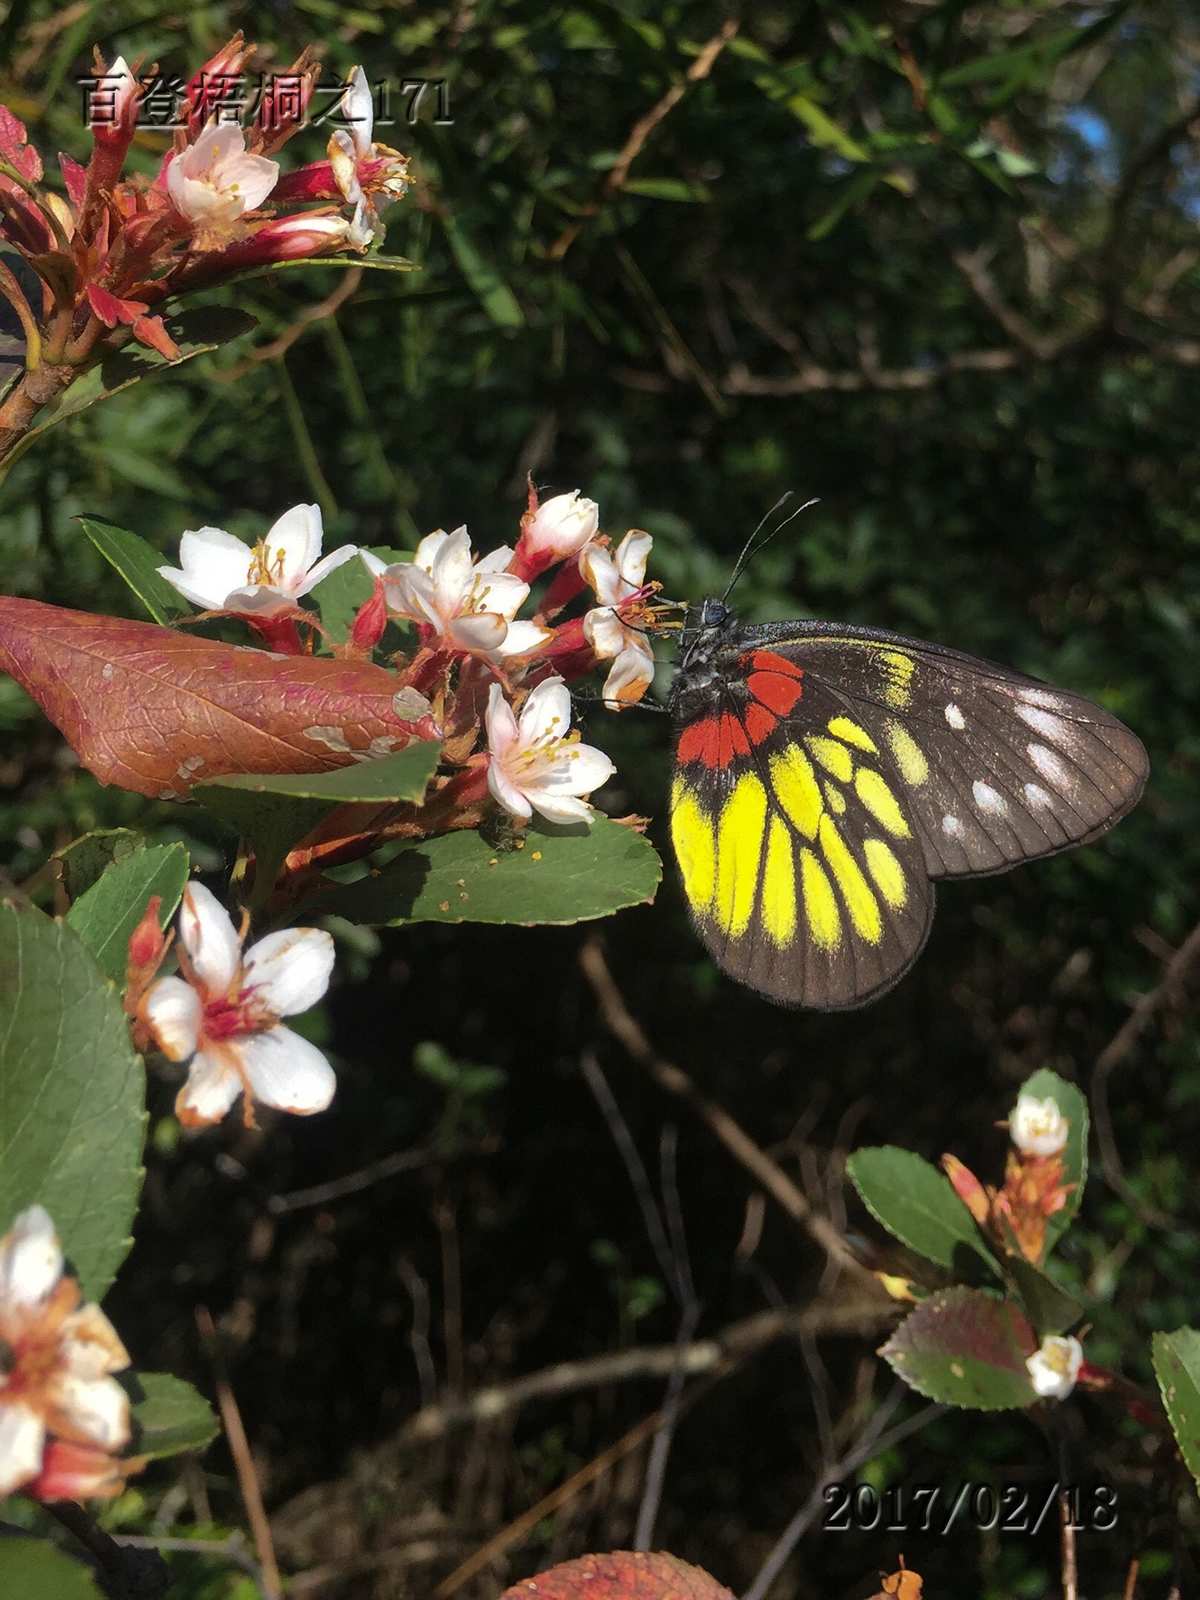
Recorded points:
732,1344
618,173
674,1080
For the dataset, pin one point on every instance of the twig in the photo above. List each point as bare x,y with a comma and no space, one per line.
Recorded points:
593,1076
733,1343
128,1571
272,351
375,1172
872,1443
1115,1051
243,1461
232,1549
516,1530
618,173
1129,1592
664,1434
674,1080
1070,1564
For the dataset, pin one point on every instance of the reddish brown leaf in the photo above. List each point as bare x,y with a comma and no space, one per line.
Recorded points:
155,710
622,1575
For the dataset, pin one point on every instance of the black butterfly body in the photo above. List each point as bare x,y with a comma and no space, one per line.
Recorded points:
826,774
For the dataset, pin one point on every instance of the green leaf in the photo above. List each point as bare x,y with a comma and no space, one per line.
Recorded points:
168,1415
1177,1368
402,777
494,295
669,189
72,1095
1051,1309
1047,1085
965,1347
916,1203
138,564
85,858
111,909
823,130
851,192
347,588
562,875
372,264
35,1570
196,332
273,811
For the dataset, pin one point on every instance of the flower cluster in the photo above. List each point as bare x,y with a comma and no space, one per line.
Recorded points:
1015,1215
63,1416
222,1016
114,248
484,669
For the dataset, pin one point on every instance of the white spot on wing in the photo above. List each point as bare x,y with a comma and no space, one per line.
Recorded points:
955,717
952,827
1037,796
1041,697
988,799
1042,722
1049,764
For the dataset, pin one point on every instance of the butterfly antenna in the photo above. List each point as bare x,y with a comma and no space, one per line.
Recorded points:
750,549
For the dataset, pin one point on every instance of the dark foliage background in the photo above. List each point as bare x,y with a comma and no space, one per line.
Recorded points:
933,263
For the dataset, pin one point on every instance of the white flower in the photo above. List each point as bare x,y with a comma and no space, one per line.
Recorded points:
1054,1368
358,109
224,1014
222,573
536,764
58,1356
469,604
1037,1127
215,181
615,577
561,527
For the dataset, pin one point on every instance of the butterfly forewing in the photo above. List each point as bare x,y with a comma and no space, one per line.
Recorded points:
824,776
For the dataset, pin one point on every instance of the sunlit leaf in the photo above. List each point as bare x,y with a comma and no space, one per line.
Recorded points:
916,1203
168,1415
621,1575
111,909
965,1347
138,564
72,1095
1177,1368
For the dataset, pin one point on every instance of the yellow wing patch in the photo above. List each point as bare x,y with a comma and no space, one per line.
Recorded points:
856,891
796,789
779,885
820,903
695,841
898,669
909,756
740,835
886,871
850,733
834,757
879,800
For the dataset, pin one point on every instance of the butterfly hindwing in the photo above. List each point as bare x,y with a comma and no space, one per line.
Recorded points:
825,775
804,873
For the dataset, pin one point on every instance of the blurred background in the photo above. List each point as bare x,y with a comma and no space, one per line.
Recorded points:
935,264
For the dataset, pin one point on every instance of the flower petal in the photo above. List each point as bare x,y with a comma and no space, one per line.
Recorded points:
210,939
259,599
374,565
505,792
584,769
287,1072
31,1259
296,537
483,631
358,109
631,674
289,970
632,554
522,637
256,177
213,1084
90,1345
500,722
324,567
426,552
605,632
561,807
600,571
213,563
89,1411
409,592
171,1009
496,560
499,591
453,572
547,711
22,1435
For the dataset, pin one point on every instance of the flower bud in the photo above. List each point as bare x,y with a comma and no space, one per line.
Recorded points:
554,531
1037,1127
1054,1368
78,1472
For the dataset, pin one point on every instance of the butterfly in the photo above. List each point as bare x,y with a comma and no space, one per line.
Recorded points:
825,775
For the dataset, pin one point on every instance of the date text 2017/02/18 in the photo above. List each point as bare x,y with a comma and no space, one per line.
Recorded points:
932,1508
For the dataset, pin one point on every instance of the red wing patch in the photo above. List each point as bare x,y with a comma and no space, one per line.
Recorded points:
714,741
773,680
759,722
